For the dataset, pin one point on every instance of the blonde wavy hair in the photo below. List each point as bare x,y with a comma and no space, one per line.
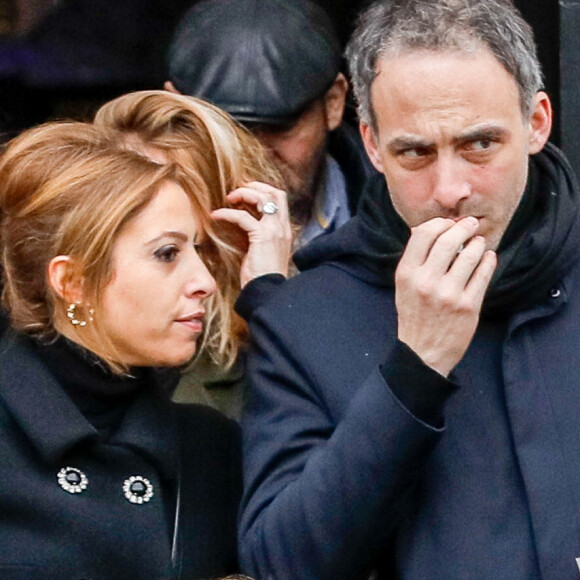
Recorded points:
69,189
216,155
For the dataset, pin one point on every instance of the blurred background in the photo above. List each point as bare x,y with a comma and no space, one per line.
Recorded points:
63,58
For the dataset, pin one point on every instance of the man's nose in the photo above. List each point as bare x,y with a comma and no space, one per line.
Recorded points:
200,282
451,185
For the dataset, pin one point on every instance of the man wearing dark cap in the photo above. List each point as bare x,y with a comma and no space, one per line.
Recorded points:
275,67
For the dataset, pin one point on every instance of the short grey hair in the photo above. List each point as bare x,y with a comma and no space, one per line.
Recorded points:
395,27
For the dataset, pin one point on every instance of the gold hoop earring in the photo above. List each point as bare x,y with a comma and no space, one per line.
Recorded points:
71,314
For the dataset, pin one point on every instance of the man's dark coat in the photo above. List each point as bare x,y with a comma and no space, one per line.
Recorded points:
342,478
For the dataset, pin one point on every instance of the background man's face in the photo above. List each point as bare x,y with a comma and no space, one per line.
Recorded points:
451,138
298,151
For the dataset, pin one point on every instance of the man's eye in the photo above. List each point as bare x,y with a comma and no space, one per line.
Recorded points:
414,152
167,253
480,144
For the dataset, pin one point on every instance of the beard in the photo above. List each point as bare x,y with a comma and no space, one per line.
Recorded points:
302,185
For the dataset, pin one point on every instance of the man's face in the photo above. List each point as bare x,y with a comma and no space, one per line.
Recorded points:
451,137
299,152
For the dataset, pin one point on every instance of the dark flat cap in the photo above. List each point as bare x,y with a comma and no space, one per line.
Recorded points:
262,61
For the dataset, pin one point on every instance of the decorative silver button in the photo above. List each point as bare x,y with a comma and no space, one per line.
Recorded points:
137,489
555,292
72,480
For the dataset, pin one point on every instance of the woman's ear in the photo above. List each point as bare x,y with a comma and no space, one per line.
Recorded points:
64,277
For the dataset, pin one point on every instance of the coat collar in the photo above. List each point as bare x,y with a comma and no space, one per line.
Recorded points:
43,411
54,425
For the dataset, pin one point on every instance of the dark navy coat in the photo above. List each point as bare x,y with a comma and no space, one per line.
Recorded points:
49,533
341,479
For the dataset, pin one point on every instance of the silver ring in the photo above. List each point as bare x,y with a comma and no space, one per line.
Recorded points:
269,208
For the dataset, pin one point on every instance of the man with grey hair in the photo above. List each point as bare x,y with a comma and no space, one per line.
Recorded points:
416,390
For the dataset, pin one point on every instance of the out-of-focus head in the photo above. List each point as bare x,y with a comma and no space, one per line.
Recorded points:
262,62
89,224
275,67
390,28
216,155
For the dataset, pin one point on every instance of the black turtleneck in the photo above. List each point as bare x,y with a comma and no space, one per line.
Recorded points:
101,396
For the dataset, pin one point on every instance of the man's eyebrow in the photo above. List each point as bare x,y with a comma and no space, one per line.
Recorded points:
483,132
491,132
408,142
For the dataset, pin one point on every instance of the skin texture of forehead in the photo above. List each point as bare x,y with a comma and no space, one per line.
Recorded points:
431,90
462,45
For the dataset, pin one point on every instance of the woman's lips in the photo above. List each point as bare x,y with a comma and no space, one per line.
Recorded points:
193,322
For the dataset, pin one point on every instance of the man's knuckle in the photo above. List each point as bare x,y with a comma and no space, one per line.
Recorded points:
447,300
422,232
444,244
402,273
425,287
467,305
471,259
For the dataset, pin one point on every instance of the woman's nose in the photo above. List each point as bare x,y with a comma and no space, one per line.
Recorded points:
200,281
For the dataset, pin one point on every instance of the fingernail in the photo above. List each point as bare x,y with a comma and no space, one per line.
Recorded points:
472,221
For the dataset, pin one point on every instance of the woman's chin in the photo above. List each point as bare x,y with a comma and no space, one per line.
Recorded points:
183,358
173,358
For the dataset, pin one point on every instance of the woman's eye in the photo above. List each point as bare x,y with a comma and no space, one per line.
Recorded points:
167,253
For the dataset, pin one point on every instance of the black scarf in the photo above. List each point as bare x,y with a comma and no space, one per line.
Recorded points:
540,244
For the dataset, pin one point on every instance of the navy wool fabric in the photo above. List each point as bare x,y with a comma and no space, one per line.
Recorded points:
345,477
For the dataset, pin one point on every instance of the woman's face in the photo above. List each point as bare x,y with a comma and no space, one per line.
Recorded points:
153,308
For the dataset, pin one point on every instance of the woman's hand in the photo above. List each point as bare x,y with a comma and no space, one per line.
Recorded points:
269,234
